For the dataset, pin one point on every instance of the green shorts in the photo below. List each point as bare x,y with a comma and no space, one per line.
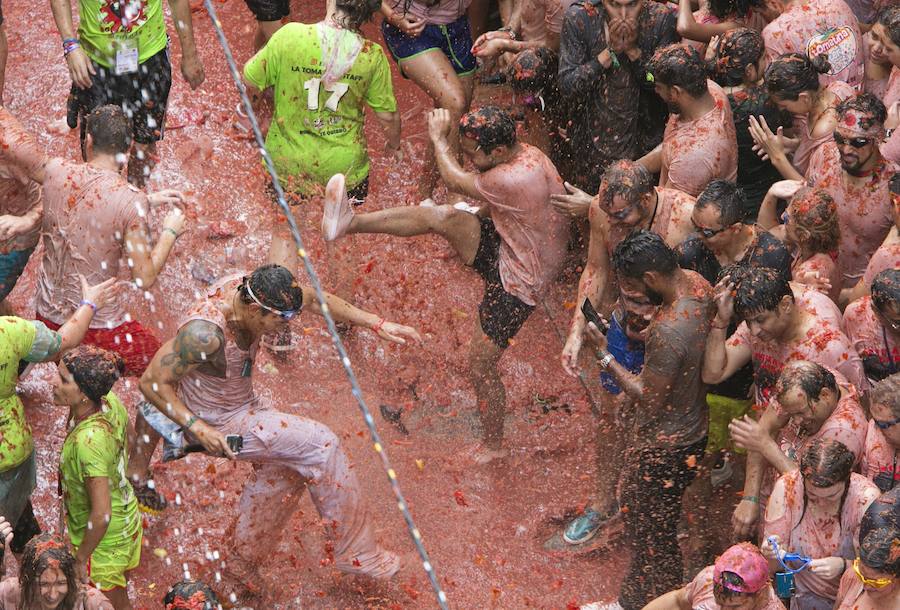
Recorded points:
16,485
721,411
109,562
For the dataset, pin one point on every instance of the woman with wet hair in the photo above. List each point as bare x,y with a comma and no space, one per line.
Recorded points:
532,76
101,510
873,580
812,230
815,511
47,578
190,595
792,81
738,65
714,18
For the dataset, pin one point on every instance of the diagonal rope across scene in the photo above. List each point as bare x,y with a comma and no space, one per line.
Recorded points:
326,313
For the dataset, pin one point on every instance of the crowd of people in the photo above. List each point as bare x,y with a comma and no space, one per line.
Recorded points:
723,173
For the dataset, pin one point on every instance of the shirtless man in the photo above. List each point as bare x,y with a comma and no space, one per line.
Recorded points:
92,200
517,242
627,201
202,380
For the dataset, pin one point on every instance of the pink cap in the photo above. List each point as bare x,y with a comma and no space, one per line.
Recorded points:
746,561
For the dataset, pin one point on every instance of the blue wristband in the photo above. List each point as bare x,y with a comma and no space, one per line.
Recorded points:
89,304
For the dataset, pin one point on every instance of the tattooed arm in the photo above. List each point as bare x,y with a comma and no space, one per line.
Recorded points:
198,344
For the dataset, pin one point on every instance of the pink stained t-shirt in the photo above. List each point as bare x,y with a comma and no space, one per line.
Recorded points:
216,399
701,596
825,344
817,27
865,211
846,424
868,336
887,256
533,234
673,211
542,16
696,152
809,145
87,212
817,536
442,13
880,458
11,592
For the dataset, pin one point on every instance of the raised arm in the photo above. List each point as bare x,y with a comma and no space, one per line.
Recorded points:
578,69
758,438
198,343
342,311
721,360
688,27
454,176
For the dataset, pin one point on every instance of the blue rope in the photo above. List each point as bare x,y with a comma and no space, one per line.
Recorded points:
326,313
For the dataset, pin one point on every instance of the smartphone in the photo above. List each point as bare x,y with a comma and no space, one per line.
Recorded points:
235,442
591,315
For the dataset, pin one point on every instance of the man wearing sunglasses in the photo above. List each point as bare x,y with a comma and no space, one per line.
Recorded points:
873,325
853,172
881,459
202,379
627,201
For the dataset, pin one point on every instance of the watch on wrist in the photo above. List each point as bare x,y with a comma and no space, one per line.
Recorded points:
605,359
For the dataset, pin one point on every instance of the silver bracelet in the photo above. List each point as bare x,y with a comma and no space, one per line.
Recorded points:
605,360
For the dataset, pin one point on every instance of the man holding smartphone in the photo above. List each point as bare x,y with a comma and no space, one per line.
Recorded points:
670,418
202,380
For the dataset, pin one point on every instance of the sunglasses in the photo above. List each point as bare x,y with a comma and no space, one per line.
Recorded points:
284,315
854,142
707,233
884,425
623,213
876,583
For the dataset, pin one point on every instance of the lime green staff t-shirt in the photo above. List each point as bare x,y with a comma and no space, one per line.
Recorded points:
104,24
97,447
317,130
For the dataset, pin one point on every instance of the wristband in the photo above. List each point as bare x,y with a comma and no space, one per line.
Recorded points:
89,304
190,422
172,231
69,45
378,325
753,499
